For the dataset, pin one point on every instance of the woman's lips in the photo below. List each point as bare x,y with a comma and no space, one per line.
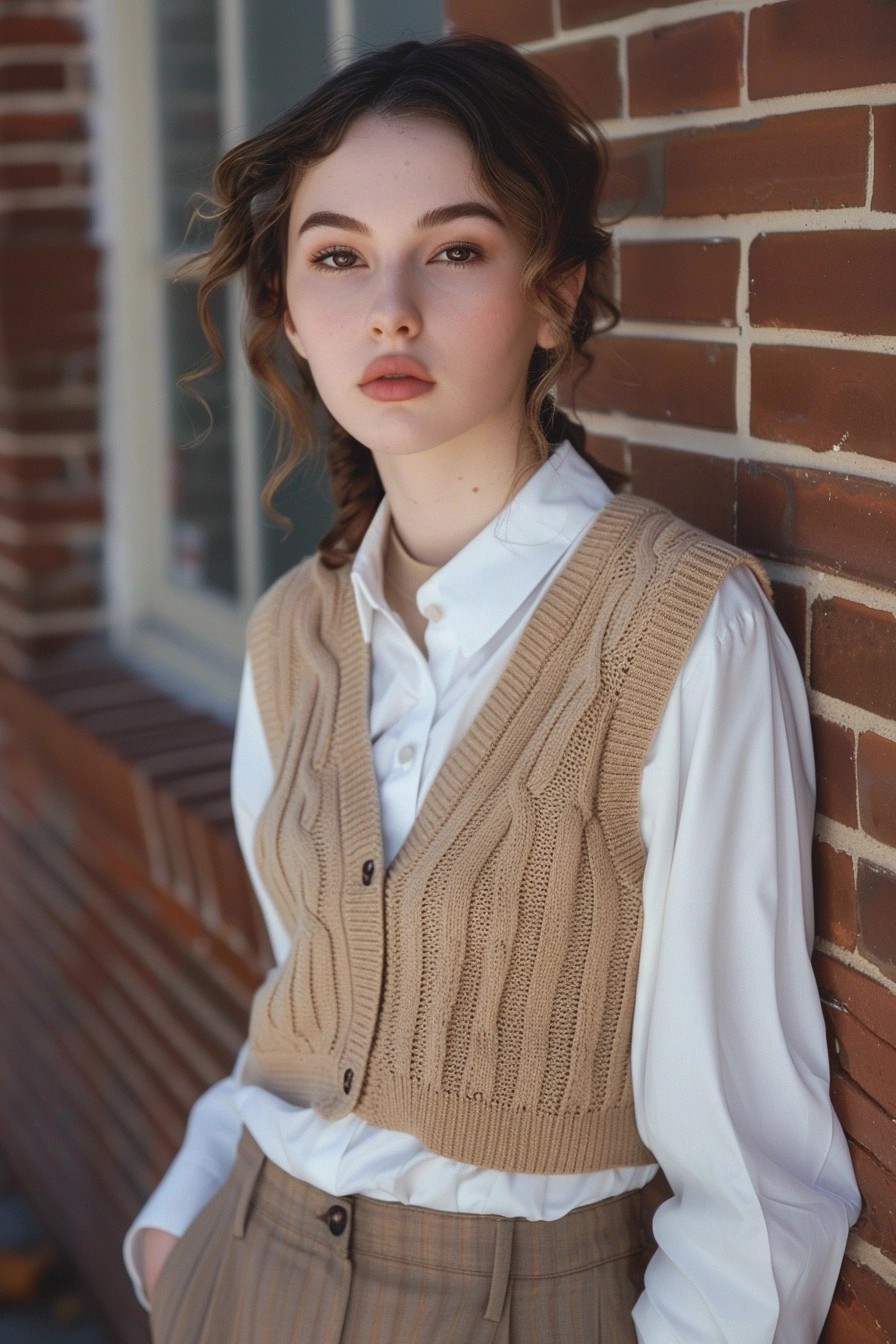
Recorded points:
395,378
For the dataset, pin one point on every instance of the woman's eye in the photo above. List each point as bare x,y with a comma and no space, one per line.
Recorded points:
460,254
336,259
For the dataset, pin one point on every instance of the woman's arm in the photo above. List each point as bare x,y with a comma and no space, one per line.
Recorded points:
729,1056
207,1154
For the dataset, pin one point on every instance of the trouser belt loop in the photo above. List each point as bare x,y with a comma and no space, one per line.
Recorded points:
254,1162
501,1269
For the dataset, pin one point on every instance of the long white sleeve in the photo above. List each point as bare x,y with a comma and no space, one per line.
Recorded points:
729,1059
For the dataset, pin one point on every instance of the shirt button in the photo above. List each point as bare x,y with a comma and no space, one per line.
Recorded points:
434,612
347,1080
368,871
406,755
337,1219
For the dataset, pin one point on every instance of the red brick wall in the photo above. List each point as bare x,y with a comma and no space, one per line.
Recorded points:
752,387
50,505
131,947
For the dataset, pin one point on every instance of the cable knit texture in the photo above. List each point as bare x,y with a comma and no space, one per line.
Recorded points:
480,993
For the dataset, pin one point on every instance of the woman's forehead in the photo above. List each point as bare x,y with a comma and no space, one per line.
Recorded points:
390,160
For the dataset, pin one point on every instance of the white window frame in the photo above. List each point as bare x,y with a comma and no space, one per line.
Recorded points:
191,640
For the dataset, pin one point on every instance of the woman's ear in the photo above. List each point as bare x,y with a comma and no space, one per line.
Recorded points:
568,292
292,335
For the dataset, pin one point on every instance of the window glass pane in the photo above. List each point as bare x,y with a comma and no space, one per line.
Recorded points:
187,42
202,544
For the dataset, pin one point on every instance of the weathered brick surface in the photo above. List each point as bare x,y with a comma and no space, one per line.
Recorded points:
32,78
877,1224
863,1119
686,66
576,12
864,1310
876,891
689,382
884,194
523,21
39,30
589,72
835,895
877,789
839,523
806,46
680,281
853,648
804,160
697,487
829,400
835,760
827,281
790,608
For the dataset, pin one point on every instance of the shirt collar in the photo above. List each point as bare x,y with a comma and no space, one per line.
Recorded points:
481,587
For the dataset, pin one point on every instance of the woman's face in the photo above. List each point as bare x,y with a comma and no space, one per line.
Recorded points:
403,292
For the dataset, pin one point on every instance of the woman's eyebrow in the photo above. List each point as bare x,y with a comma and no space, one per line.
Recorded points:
433,219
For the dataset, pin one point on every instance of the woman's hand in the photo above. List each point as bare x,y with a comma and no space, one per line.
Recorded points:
157,1246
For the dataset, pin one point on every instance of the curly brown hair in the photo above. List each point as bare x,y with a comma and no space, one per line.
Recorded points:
536,154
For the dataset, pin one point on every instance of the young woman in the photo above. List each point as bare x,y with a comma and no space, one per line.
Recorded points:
523,779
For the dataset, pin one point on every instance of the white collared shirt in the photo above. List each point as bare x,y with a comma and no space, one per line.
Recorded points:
728,1052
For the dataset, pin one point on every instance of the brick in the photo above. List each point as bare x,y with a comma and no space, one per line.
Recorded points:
842,280
877,1223
868,1060
680,281
34,280
856,993
835,895
843,524
39,30
32,77
863,1120
853,652
25,175
877,788
697,487
835,758
589,72
876,893
851,992
688,382
636,180
19,126
687,66
802,161
790,608
521,21
864,1309
828,400
42,228
804,46
609,453
883,196
574,13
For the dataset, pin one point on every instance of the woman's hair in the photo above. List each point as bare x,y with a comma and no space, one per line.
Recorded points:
535,154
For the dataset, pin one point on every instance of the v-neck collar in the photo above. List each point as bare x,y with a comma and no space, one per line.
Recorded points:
551,620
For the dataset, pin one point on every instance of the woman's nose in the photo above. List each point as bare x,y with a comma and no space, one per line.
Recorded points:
395,310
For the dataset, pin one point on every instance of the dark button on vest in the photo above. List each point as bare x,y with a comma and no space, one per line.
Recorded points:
347,1079
368,871
337,1218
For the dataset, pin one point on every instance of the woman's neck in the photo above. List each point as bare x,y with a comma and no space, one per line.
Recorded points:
440,501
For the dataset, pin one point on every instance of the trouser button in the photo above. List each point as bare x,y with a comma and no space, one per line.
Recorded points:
337,1218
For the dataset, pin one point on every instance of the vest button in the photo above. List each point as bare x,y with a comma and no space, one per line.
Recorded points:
337,1219
347,1079
368,871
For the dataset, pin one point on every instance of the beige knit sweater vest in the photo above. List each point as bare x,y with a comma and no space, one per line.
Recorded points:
480,992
